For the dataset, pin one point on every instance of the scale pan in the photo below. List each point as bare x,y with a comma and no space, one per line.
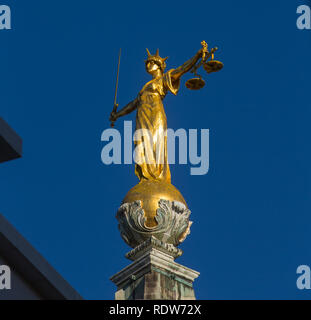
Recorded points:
195,83
213,66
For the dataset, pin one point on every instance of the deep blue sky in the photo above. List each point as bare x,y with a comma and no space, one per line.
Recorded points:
251,212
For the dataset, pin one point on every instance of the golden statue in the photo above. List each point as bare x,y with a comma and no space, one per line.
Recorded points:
151,159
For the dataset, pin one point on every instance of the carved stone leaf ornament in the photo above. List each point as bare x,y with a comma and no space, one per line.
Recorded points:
172,219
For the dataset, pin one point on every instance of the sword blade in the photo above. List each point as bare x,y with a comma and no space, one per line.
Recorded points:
117,81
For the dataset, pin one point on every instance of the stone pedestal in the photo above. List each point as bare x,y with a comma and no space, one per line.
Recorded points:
154,275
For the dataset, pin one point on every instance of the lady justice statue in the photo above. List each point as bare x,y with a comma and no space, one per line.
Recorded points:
151,157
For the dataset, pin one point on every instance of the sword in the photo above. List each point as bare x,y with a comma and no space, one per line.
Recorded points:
115,105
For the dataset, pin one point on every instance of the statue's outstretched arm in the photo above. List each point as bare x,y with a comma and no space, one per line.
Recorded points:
186,67
130,107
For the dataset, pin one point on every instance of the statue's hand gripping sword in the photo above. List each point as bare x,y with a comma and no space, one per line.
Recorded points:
115,105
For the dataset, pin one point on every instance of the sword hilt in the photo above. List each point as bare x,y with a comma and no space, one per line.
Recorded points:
114,110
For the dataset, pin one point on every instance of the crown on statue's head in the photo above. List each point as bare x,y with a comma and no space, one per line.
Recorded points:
157,59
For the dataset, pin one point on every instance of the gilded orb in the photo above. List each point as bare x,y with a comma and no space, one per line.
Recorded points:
149,193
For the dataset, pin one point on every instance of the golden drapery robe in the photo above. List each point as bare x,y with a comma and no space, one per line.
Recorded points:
151,129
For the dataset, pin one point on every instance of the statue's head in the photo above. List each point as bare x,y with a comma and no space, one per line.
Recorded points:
155,62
